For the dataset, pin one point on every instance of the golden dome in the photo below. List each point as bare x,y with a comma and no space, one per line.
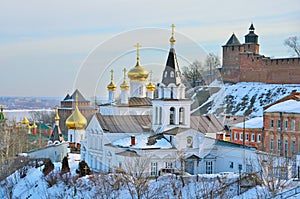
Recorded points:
124,85
76,120
150,86
25,120
111,86
138,73
34,126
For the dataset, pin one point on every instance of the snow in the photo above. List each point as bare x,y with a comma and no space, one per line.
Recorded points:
35,186
289,106
141,142
256,122
238,98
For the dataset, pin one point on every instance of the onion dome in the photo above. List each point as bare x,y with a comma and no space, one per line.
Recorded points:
138,73
2,115
25,121
151,86
34,126
124,85
111,86
76,120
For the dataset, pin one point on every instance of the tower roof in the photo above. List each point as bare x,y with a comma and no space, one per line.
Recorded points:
56,134
73,96
251,37
233,41
171,73
124,85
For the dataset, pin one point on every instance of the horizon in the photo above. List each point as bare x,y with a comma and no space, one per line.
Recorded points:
44,47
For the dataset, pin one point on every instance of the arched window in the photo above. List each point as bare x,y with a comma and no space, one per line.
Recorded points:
160,115
166,73
181,115
172,74
172,115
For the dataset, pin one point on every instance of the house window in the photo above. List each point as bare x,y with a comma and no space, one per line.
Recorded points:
209,167
271,144
168,164
153,169
278,124
271,124
247,137
278,146
189,142
252,137
286,124
235,135
286,147
258,137
293,146
241,136
293,125
231,165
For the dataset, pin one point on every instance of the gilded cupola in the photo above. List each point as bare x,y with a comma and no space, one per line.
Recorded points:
76,120
151,86
138,73
111,86
124,85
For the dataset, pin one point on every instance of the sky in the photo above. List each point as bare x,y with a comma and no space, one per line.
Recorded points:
49,48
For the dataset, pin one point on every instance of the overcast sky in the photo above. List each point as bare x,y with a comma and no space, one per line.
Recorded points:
44,45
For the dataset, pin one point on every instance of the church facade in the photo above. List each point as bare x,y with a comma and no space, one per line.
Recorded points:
166,136
243,63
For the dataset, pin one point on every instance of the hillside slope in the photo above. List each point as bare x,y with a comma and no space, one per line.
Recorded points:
245,98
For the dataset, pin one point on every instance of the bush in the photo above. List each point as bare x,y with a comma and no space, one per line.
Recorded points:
49,166
83,169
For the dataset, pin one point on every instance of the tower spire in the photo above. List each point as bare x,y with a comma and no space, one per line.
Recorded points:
172,39
56,112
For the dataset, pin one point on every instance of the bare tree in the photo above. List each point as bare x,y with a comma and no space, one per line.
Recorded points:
275,171
293,44
46,116
192,74
136,177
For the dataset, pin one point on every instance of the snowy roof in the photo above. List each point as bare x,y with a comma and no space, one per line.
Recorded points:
289,106
141,142
253,123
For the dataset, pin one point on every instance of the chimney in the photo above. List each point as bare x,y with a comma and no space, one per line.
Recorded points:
132,140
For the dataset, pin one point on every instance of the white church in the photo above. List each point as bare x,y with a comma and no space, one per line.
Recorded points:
154,122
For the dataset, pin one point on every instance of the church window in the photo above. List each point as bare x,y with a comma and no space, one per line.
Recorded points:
156,115
71,138
153,169
168,164
166,73
172,74
140,90
181,115
160,115
178,74
172,115
189,142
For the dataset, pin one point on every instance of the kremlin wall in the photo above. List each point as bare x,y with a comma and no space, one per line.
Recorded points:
243,63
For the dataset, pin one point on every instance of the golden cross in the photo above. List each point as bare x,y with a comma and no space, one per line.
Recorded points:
137,50
151,75
173,26
111,74
124,70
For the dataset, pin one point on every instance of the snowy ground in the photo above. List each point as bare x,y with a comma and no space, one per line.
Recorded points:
245,97
35,186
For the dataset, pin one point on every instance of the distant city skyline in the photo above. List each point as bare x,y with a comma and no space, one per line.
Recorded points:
44,44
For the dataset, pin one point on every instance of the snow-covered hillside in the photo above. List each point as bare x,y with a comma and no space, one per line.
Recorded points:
247,98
